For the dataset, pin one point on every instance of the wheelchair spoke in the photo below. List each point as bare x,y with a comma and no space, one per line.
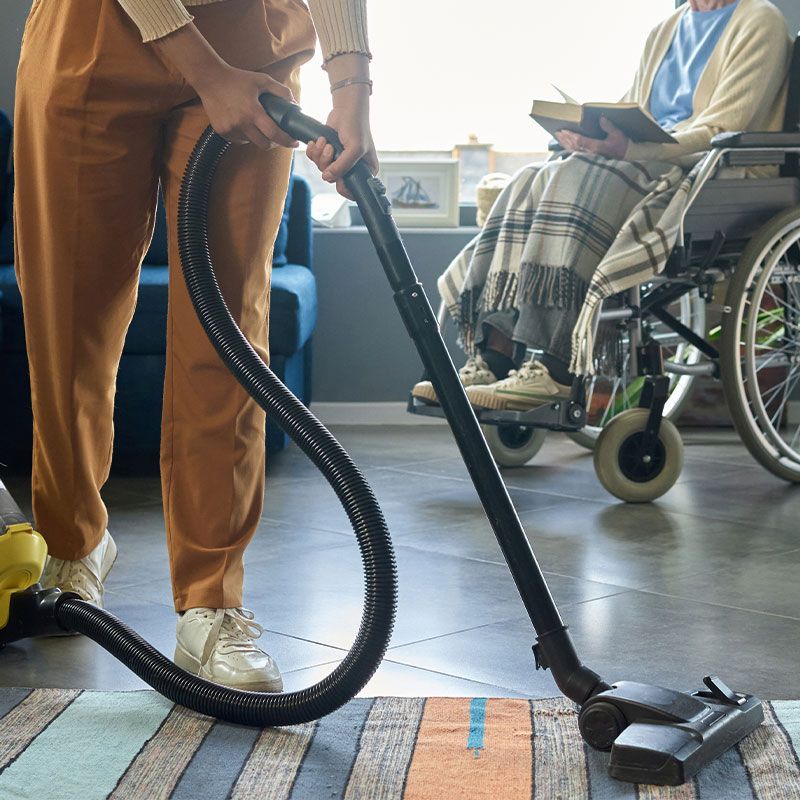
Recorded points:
793,442
788,387
762,358
765,360
590,395
785,320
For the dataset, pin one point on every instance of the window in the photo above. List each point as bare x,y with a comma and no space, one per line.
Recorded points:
448,70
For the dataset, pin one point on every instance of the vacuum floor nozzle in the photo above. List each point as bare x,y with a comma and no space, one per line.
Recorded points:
662,736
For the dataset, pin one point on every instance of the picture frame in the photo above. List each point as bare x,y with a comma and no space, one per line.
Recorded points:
424,194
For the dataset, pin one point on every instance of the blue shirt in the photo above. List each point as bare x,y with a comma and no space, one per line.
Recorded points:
697,34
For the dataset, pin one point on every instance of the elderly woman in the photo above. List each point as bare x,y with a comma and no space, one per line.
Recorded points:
563,235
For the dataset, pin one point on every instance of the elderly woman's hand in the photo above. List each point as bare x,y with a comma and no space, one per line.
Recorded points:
615,145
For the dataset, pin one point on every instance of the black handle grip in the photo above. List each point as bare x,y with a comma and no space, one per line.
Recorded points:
291,120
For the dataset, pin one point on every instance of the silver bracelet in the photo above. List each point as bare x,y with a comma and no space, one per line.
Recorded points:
349,82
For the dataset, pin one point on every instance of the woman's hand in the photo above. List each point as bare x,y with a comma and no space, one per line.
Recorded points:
615,145
349,118
230,98
229,95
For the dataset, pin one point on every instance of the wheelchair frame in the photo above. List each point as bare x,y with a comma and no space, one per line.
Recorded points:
689,268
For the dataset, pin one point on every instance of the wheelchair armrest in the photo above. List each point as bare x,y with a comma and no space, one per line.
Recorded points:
748,139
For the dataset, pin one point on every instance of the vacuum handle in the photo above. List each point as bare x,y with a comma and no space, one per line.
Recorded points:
292,121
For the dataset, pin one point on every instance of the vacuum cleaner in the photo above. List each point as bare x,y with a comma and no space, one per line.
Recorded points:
655,735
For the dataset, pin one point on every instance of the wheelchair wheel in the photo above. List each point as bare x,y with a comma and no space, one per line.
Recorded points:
760,345
513,445
612,391
622,469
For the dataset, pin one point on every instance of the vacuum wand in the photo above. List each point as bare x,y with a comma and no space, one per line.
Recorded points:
655,735
554,648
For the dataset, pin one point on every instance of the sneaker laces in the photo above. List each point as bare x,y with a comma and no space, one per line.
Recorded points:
233,629
73,575
474,365
527,371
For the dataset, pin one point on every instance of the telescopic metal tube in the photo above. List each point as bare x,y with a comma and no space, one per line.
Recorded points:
555,648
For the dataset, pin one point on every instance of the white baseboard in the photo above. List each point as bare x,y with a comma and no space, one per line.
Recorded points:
369,414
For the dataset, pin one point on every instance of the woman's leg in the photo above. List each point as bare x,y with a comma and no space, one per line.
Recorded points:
85,151
212,444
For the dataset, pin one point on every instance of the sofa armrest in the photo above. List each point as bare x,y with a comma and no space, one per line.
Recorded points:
299,246
747,139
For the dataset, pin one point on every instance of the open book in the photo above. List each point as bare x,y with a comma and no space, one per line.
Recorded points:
630,118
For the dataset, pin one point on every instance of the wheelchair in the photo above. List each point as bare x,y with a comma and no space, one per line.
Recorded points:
654,340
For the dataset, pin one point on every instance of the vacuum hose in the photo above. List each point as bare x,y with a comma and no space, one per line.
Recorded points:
355,495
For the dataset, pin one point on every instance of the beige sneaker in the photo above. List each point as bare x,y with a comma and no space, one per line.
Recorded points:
85,576
475,372
217,644
524,388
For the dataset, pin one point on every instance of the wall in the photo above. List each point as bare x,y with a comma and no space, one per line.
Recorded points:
362,352
12,19
792,10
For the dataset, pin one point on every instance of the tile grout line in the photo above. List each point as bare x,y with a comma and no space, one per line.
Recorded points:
421,669
719,605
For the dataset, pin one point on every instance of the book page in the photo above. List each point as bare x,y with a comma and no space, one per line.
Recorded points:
566,97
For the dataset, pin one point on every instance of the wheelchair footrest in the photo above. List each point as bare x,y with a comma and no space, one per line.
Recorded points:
560,415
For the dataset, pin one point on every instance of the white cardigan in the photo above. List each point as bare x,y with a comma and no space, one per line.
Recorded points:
743,86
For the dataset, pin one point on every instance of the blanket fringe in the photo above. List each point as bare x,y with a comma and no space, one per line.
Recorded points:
497,294
552,287
582,362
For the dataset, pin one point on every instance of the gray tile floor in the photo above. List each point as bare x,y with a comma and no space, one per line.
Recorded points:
706,580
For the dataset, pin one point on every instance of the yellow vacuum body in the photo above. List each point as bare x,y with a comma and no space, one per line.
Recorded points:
22,555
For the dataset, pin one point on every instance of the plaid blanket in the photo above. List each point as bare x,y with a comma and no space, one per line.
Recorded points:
565,235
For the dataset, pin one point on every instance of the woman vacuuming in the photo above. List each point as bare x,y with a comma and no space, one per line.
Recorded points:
111,97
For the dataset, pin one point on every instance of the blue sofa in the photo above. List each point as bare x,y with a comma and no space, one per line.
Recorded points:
137,413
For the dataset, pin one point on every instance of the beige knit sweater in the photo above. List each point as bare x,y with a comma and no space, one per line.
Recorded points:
341,24
743,87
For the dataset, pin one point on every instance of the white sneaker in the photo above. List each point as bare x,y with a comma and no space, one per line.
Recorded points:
475,372
86,575
217,644
524,388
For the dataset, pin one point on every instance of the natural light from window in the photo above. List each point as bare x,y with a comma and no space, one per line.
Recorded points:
445,69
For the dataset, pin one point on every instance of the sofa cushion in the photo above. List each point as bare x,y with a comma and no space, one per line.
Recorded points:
7,226
279,258
293,311
147,333
12,336
293,308
157,254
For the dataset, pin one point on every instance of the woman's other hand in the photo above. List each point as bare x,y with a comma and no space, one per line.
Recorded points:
615,145
229,95
350,119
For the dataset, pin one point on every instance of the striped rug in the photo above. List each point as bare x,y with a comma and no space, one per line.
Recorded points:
62,744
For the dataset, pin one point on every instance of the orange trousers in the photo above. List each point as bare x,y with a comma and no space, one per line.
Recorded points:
100,119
